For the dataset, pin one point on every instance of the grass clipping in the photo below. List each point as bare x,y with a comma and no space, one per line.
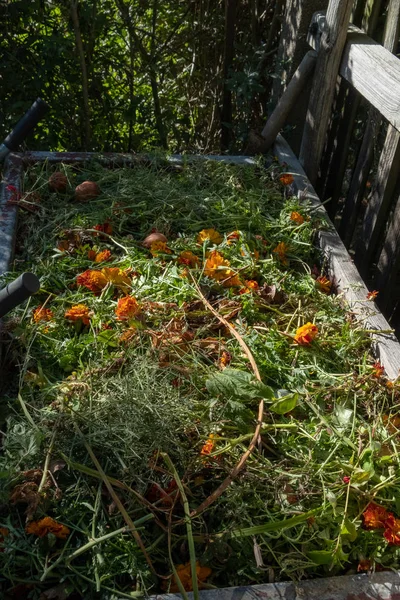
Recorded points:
196,412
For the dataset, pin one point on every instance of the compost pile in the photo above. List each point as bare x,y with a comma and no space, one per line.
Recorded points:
195,406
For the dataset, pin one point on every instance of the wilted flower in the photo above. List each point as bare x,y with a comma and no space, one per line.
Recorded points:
392,531
127,308
95,281
209,235
102,256
375,516
364,565
91,254
159,247
305,334
251,286
188,258
79,312
185,575
232,279
42,314
225,359
378,370
128,335
208,446
372,295
47,525
286,179
103,228
297,217
216,266
281,250
323,284
233,237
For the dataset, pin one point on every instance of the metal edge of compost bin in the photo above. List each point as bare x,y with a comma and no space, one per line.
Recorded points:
375,586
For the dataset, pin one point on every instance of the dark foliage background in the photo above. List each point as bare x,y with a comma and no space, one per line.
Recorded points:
128,75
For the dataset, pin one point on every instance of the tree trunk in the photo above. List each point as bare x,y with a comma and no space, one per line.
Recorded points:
226,111
85,86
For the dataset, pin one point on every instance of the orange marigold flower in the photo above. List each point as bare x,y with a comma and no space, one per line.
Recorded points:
4,532
232,279
47,525
79,312
364,565
159,247
286,179
323,284
375,516
185,575
306,334
42,314
208,446
102,256
251,286
95,281
378,370
128,335
91,254
281,250
209,235
216,266
117,277
225,359
188,258
103,228
233,237
392,530
297,217
127,308
372,295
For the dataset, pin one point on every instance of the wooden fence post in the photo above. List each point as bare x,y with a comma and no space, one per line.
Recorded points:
366,153
292,48
333,40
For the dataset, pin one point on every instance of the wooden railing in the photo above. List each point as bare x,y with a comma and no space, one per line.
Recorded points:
350,147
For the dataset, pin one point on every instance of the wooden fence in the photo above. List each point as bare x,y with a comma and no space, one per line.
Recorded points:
350,148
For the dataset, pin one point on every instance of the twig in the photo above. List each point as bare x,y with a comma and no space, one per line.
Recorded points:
240,465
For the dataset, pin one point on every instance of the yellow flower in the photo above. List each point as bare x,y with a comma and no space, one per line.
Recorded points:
117,277
209,235
281,250
216,266
79,312
47,525
297,217
157,247
127,308
305,334
231,279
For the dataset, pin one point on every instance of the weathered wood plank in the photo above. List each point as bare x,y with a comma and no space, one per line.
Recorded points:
369,67
385,346
379,203
289,98
332,42
366,154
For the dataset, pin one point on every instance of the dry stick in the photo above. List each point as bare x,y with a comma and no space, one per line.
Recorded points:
118,502
239,466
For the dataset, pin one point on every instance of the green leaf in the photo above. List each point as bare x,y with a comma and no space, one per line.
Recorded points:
349,530
240,384
285,404
274,525
321,557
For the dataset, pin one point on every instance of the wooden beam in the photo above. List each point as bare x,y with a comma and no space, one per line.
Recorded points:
278,118
365,156
332,42
368,66
385,346
379,204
